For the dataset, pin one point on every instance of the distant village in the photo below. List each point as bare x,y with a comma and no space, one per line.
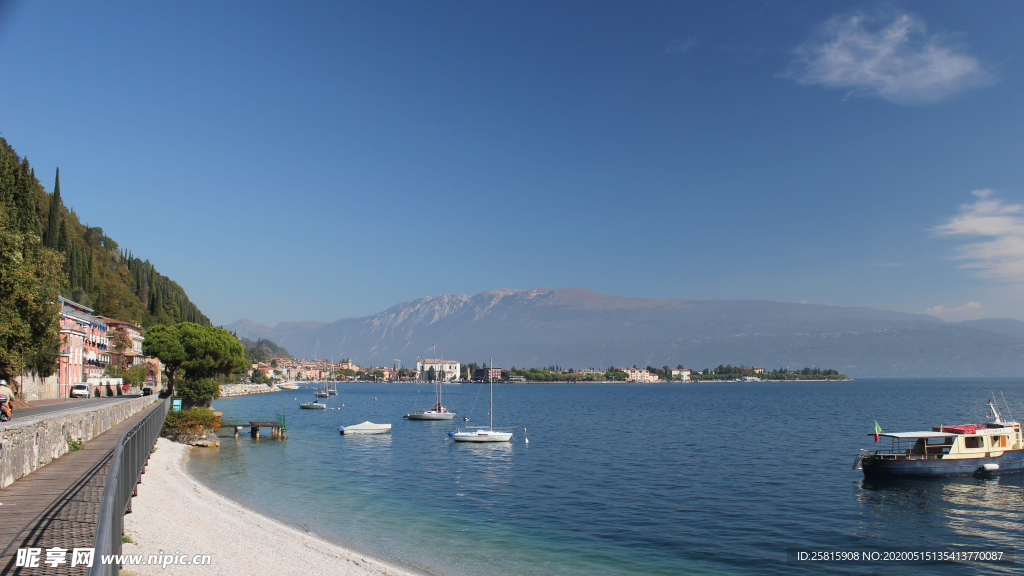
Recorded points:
436,369
87,352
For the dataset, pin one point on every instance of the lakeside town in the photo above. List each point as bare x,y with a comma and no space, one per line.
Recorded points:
106,357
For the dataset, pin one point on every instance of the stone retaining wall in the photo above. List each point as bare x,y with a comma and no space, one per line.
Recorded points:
26,445
227,390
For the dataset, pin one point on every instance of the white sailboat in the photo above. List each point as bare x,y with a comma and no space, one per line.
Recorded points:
365,428
437,411
483,433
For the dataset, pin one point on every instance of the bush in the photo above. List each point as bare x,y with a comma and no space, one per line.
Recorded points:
75,444
198,391
191,421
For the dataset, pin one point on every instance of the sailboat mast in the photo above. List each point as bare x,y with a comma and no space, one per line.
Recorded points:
490,410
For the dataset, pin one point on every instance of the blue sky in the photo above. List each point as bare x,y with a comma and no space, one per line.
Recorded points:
325,160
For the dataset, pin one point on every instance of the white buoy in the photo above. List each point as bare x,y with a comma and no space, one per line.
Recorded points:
525,439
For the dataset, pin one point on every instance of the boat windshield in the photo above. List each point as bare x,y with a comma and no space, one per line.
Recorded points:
928,446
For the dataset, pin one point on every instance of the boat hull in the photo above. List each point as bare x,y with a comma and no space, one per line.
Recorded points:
313,406
482,436
366,428
431,416
1009,462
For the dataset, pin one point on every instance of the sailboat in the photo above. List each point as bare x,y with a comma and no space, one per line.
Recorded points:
437,411
322,392
483,433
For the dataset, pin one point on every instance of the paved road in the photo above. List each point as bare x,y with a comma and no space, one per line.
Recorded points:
68,405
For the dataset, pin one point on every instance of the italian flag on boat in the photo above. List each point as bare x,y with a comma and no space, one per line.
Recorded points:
878,430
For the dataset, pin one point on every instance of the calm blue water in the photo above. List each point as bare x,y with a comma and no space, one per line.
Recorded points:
621,479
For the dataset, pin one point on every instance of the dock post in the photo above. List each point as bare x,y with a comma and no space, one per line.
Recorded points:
237,428
255,431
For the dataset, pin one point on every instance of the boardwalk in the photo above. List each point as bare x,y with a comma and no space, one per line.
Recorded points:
57,505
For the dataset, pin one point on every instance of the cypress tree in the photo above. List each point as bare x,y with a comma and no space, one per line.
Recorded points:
63,240
63,245
53,220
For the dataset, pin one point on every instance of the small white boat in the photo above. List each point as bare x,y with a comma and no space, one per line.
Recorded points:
314,405
437,413
322,394
483,433
365,428
332,391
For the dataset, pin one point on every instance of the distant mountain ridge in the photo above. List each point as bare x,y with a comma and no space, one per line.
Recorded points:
578,328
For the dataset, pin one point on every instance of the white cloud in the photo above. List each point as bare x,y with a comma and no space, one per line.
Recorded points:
890,56
965,312
681,44
1000,255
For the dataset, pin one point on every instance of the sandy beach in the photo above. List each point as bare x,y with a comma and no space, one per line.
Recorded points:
174,513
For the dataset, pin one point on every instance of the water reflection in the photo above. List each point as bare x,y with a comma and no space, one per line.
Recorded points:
990,509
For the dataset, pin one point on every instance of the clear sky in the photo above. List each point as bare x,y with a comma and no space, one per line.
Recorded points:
299,161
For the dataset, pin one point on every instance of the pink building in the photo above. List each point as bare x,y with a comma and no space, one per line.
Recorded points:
83,347
133,355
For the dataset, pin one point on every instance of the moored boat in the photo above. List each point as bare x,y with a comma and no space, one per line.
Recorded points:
483,433
365,428
962,450
314,405
437,411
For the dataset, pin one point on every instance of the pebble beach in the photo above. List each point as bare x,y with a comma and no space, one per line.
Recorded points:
175,514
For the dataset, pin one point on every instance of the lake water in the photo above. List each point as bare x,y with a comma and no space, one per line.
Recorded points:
621,478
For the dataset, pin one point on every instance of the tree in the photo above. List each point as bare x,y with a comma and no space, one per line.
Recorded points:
164,343
199,392
431,374
53,219
120,344
198,351
29,313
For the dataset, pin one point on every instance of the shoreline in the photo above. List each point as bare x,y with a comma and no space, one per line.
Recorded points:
176,513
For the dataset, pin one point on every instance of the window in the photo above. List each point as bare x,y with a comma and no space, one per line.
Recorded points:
974,442
999,441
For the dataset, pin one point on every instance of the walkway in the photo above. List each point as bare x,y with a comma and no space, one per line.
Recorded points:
58,504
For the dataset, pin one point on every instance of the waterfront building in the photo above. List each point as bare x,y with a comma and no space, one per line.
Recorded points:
681,373
133,355
484,374
639,375
449,368
83,346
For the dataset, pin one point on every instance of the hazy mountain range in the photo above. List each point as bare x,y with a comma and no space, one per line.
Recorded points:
577,328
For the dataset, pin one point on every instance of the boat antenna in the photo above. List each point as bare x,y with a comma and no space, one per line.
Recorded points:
995,412
1012,419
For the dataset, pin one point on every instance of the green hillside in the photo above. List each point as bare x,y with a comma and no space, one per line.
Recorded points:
93,269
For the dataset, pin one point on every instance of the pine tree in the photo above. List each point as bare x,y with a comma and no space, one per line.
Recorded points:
53,220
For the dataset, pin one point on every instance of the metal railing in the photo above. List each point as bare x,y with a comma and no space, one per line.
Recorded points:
130,457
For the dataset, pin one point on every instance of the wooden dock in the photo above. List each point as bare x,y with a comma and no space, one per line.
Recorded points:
277,425
58,504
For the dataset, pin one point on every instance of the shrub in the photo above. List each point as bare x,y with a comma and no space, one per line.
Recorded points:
75,444
191,421
197,391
